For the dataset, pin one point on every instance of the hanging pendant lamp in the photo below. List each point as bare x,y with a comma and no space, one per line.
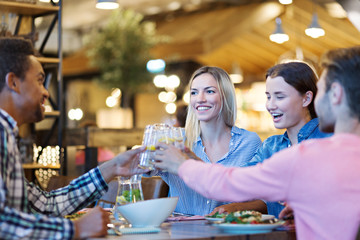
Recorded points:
279,36
107,4
285,2
314,30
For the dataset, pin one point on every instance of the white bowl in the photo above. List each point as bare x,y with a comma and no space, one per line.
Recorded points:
149,213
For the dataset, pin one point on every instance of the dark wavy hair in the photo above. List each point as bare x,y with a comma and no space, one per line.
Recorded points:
14,57
343,66
300,76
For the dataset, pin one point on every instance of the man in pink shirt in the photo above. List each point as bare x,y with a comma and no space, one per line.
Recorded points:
319,178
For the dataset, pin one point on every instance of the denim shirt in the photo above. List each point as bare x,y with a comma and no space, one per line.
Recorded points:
276,143
242,148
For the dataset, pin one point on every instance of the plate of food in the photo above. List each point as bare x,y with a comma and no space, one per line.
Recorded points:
220,217
267,217
248,228
216,218
248,222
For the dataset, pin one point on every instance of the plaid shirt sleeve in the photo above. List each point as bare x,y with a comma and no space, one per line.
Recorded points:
15,224
19,225
26,211
67,200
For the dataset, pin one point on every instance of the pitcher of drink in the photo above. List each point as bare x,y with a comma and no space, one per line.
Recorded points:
129,191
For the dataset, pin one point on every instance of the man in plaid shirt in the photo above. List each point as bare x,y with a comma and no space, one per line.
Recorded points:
26,211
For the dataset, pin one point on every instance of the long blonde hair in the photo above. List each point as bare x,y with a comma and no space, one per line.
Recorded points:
228,100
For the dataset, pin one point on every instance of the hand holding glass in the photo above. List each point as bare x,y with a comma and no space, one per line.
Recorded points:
149,140
159,133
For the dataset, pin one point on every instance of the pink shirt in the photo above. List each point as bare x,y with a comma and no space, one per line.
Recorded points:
319,179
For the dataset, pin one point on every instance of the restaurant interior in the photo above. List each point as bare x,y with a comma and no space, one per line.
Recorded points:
86,114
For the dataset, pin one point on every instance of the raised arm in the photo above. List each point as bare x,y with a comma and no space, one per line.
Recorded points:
268,181
257,205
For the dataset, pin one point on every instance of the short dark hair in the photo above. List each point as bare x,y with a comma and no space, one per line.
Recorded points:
300,76
14,57
343,66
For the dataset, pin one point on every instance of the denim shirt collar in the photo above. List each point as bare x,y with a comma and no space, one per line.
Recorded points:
305,131
234,130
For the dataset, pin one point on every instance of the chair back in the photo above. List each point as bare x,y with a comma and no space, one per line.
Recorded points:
56,182
108,199
154,187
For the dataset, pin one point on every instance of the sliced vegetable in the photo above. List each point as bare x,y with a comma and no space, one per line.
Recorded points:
244,217
217,215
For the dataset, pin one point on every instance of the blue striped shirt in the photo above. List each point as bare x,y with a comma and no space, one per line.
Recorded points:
26,211
242,148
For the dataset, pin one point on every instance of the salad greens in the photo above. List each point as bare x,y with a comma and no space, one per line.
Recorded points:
218,215
244,217
126,197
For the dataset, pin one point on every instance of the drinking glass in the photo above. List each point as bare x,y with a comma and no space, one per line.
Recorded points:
163,133
178,136
154,134
149,140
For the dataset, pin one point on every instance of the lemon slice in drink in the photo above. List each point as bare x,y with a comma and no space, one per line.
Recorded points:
151,148
166,140
121,200
163,140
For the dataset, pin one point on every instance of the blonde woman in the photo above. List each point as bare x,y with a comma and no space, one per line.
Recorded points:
212,136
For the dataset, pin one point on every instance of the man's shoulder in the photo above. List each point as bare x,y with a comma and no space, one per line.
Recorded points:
324,149
341,139
3,130
7,123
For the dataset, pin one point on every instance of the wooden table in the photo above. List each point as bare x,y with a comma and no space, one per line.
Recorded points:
201,230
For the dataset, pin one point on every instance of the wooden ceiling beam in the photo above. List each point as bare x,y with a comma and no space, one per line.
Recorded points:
224,57
297,35
178,50
240,56
237,24
296,40
296,32
220,26
341,30
258,49
250,52
264,42
191,27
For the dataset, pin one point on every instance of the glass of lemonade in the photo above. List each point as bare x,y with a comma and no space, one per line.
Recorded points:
149,140
156,133
178,136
